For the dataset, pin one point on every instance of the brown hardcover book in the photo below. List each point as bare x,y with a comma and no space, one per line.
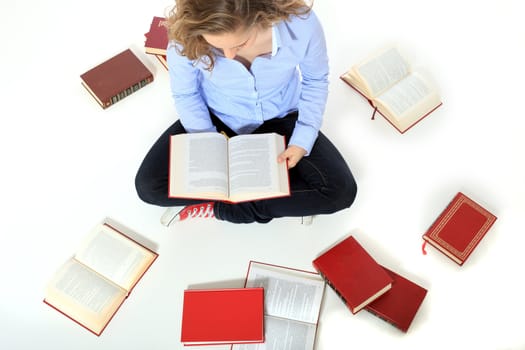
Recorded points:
398,93
116,78
91,286
157,37
459,228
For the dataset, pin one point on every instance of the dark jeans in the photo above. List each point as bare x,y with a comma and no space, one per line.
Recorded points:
321,183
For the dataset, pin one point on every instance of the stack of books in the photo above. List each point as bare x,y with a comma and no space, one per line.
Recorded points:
362,283
157,40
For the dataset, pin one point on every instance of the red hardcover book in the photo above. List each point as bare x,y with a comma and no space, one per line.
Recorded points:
400,305
157,37
459,228
401,96
91,286
354,275
116,78
223,316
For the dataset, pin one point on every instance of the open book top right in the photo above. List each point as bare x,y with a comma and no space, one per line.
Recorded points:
402,96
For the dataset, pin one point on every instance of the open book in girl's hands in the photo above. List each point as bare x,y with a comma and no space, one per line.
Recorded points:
403,97
242,168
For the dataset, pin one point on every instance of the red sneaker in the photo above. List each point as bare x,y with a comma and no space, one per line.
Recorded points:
202,210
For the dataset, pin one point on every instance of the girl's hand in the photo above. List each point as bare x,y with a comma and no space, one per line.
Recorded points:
292,154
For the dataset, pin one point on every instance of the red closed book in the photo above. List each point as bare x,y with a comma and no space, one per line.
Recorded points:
459,228
354,275
400,305
157,38
116,78
223,316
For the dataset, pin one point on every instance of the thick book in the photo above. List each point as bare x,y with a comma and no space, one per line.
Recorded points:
91,286
400,305
397,92
156,42
352,273
292,303
116,78
459,228
222,316
210,166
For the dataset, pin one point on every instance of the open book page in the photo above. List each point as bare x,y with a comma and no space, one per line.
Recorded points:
84,295
284,334
253,167
288,293
378,73
207,174
408,100
292,302
115,256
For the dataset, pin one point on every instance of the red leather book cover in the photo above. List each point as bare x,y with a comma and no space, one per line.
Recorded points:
459,228
400,305
354,275
157,37
116,78
223,316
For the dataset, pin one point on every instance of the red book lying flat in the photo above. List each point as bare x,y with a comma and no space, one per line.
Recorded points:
116,78
354,275
223,316
459,228
400,305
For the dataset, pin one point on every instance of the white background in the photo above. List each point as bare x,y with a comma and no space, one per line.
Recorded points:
67,164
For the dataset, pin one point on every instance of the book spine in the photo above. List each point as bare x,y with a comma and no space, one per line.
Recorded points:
333,287
383,318
129,91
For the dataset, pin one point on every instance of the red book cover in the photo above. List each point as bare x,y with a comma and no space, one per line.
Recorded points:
354,275
157,37
223,316
400,305
459,228
116,78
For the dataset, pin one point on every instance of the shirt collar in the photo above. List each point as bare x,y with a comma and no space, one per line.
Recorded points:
281,36
276,40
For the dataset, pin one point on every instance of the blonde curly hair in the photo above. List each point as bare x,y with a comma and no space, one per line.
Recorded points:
188,20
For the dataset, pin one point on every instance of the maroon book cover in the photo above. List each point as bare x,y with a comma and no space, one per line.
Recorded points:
459,228
222,316
400,305
116,78
157,37
354,275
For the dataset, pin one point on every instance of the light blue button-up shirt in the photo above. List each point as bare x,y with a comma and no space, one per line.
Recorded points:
293,77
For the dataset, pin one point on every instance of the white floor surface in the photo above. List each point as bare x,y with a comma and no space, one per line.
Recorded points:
67,164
